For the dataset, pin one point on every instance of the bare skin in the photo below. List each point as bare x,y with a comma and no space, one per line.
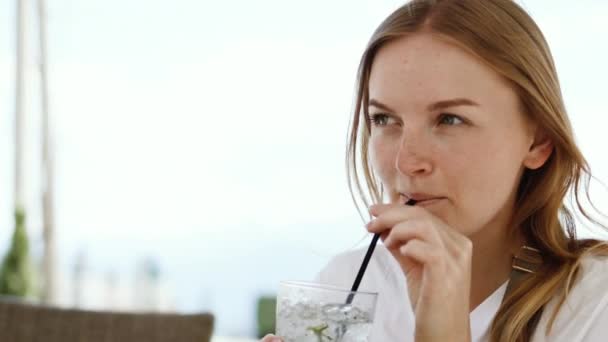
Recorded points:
448,132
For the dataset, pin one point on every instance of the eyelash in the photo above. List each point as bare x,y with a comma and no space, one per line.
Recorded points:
444,116
376,119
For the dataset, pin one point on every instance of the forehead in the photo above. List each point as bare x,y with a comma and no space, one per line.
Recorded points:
425,67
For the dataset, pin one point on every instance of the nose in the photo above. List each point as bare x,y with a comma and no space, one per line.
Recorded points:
413,156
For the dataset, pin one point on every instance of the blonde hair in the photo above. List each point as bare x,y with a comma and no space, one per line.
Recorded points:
503,35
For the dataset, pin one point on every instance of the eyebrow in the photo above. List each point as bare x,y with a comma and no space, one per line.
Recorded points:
380,105
451,103
433,106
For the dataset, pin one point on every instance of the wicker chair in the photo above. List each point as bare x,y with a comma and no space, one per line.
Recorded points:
24,322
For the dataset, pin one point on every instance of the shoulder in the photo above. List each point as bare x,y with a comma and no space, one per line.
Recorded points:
591,284
584,313
595,266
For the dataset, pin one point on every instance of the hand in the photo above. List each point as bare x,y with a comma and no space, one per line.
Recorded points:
436,260
271,338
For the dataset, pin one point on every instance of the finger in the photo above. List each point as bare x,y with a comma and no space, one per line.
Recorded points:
454,242
456,252
271,338
460,249
384,235
439,233
378,209
400,213
438,265
392,216
426,254
405,231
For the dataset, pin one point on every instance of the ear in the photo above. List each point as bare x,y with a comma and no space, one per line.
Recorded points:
540,151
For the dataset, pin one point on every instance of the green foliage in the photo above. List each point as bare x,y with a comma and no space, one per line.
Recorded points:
266,315
15,277
319,332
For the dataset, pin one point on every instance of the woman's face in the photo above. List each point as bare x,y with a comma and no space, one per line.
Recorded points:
449,132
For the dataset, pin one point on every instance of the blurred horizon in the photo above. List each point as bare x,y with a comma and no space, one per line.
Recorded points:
205,140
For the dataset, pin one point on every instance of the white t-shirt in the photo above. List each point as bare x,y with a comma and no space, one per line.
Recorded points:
583,317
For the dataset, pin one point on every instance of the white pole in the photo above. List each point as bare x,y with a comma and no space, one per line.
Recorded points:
48,293
19,103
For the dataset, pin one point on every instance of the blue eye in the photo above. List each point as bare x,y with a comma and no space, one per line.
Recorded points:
450,120
379,119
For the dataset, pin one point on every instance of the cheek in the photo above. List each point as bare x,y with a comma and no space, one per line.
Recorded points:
486,179
382,158
490,158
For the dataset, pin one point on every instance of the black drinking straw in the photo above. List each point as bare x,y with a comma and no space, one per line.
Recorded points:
368,256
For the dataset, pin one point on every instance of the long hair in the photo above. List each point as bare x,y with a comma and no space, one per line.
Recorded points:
502,34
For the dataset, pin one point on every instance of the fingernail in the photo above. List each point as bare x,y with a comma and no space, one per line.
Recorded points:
276,339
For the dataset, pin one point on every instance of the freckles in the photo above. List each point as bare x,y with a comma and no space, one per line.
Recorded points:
382,159
381,153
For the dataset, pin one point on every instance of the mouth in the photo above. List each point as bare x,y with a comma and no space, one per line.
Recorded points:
410,202
420,199
429,202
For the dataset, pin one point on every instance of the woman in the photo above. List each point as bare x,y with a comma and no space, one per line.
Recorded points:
459,112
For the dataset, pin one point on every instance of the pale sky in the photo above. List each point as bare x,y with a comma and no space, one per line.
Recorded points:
175,120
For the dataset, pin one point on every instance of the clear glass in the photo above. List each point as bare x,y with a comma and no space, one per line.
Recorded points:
309,312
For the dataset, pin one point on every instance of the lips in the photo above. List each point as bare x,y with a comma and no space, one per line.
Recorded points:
420,199
429,202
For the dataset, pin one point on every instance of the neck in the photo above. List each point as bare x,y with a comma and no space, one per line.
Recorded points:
491,264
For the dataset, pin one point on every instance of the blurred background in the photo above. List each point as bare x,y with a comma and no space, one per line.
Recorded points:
196,148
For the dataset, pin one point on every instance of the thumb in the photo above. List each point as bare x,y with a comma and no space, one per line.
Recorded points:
271,338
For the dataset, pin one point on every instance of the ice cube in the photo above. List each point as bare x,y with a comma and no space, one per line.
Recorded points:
343,313
306,311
